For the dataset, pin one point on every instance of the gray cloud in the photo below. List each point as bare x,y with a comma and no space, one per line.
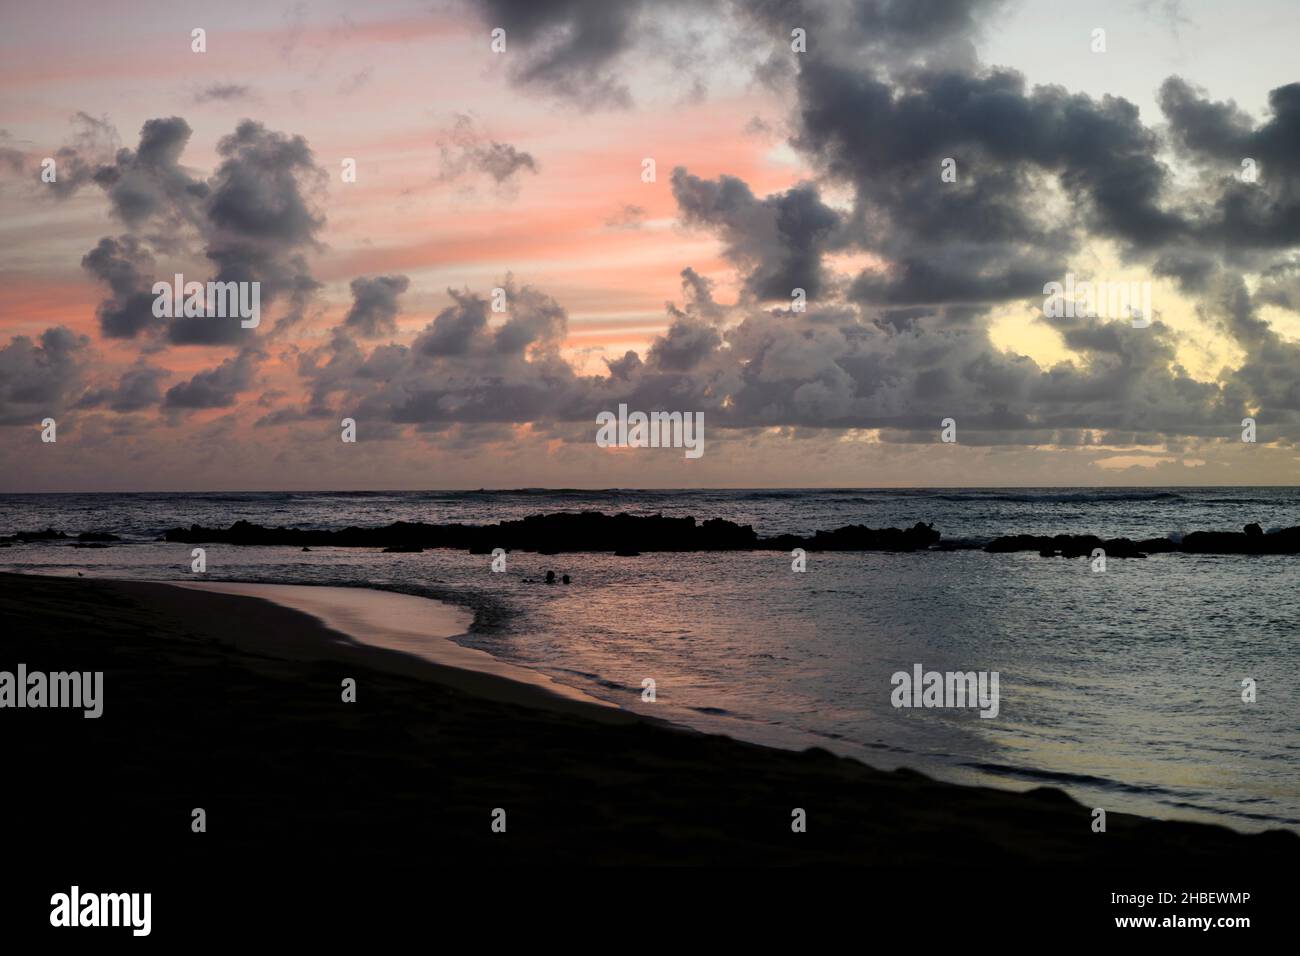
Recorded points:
1243,220
12,160
78,163
831,368
147,186
374,305
627,216
215,388
126,265
893,90
254,219
576,49
38,379
464,151
777,242
224,93
136,390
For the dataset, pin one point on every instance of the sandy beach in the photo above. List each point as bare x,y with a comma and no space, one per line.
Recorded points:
232,703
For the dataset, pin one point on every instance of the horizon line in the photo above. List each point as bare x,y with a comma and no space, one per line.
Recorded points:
569,488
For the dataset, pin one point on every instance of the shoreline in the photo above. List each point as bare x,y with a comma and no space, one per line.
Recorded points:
403,623
396,621
308,629
232,703
363,616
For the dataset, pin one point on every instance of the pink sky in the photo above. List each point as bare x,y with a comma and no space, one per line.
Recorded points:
385,84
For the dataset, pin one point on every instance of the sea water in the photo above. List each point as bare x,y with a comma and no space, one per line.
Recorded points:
1124,688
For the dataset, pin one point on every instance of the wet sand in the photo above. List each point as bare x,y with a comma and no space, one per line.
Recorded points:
411,625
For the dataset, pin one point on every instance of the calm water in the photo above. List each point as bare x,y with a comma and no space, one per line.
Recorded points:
1123,688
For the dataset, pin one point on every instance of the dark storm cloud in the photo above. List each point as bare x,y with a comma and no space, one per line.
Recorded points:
1269,377
888,91
455,327
684,346
1190,267
136,390
256,192
623,368
147,185
582,50
887,36
697,293
777,242
575,49
254,220
38,379
992,230
1280,284
126,266
893,30
217,387
463,367
918,24
374,305
533,320
1225,132
839,367
1241,216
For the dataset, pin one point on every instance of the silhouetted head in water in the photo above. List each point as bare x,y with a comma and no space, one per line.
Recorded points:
565,579
550,577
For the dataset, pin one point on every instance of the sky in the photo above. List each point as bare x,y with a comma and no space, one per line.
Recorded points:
921,170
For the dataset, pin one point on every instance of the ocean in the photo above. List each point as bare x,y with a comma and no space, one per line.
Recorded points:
1123,688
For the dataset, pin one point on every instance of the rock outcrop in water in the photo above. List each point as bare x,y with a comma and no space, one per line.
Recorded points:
629,535
1251,540
49,534
568,532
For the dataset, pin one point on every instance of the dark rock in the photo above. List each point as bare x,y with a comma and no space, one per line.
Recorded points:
1286,541
49,534
858,537
1198,542
629,535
